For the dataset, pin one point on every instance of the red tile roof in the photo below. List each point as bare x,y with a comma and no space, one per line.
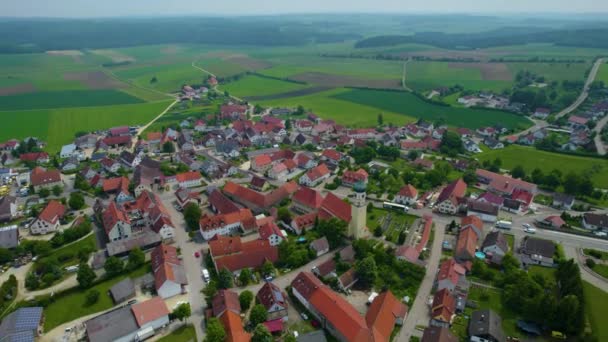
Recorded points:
505,184
252,254
39,176
472,220
308,197
450,270
453,191
383,313
119,140
578,120
409,253
221,203
113,215
188,176
317,172
224,245
52,212
225,300
444,306
333,206
255,199
149,310
408,191
233,325
270,295
154,136
268,229
305,221
354,176
466,244
426,233
332,154
118,184
34,156
164,254
306,284
262,160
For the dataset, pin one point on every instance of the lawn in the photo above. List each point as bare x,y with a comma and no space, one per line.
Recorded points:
343,112
259,86
71,305
491,299
220,67
596,307
601,269
511,241
531,158
428,75
69,253
58,126
410,105
185,333
66,98
602,74
399,222
603,255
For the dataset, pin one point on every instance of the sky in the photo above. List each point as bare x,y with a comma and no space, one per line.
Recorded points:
114,8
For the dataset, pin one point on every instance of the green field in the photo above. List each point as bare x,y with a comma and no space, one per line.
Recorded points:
596,307
58,126
259,86
185,333
412,106
602,74
66,98
423,76
553,71
72,305
169,78
531,158
220,67
343,112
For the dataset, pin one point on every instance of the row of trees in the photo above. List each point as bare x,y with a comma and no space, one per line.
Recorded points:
572,183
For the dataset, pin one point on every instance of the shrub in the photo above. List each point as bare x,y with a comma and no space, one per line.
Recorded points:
590,263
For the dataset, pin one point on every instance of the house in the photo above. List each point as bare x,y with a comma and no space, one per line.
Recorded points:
301,223
122,291
190,179
48,220
495,244
116,223
320,246
220,203
261,163
493,144
114,325
258,202
471,146
69,164
274,300
488,212
384,313
110,165
145,239
315,176
169,273
119,131
554,221
184,197
450,197
271,232
232,111
9,237
233,326
24,324
35,157
348,279
504,185
146,174
45,179
331,157
451,276
541,113
152,313
279,171
325,269
562,201
535,251
8,208
491,198
226,224
595,221
486,326
443,309
225,301
438,334
228,148
231,254
118,186
71,150
306,200
130,160
466,244
304,161
349,178
408,195
577,122
149,211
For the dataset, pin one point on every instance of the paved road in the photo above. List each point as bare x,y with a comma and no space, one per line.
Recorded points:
581,98
419,312
599,144
191,264
586,273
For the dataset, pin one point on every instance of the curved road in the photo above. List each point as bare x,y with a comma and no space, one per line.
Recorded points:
581,98
599,144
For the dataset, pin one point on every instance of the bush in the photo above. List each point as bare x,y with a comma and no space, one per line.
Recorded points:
92,297
590,263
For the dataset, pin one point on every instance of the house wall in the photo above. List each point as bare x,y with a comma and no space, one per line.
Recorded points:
483,216
156,324
446,207
191,184
121,230
167,232
43,227
494,250
300,298
169,289
405,200
225,230
48,186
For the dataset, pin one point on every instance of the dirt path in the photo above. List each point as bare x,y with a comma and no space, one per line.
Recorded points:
599,144
403,77
144,127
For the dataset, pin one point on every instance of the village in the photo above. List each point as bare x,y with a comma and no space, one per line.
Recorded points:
367,234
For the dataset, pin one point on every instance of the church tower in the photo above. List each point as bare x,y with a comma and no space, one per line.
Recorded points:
358,212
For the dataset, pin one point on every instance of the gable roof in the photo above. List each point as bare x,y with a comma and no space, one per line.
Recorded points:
408,191
317,172
467,243
270,295
149,310
308,197
253,254
438,334
383,313
496,238
453,191
332,206
188,176
221,203
268,229
52,212
113,215
444,306
450,270
225,300
320,244
233,325
39,176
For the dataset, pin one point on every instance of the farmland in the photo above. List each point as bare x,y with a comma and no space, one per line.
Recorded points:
259,86
66,98
596,302
531,158
553,71
602,74
412,106
165,78
476,76
58,126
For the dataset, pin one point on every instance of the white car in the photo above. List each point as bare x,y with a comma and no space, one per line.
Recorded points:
527,225
530,230
601,234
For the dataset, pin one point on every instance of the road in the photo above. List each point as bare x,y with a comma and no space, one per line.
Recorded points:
599,144
216,87
419,312
581,98
143,128
191,264
586,273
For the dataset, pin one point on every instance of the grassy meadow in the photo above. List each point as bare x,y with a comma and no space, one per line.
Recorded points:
66,98
253,85
596,302
531,158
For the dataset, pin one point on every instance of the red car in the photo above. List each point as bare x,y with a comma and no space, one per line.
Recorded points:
197,254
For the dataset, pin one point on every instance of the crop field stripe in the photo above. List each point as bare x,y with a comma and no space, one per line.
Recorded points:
65,99
256,86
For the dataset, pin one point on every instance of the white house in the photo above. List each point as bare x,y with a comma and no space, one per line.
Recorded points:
152,313
408,195
116,223
315,176
189,179
48,220
226,224
272,233
169,273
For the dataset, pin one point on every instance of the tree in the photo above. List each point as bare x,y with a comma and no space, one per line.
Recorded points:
334,230
261,334
182,312
380,119
85,276
367,271
215,331
44,192
31,281
245,299
245,277
258,314
57,190
76,201
299,110
168,147
288,125
571,183
267,268
451,143
92,297
518,172
136,258
378,231
113,266
192,215
224,279
284,215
